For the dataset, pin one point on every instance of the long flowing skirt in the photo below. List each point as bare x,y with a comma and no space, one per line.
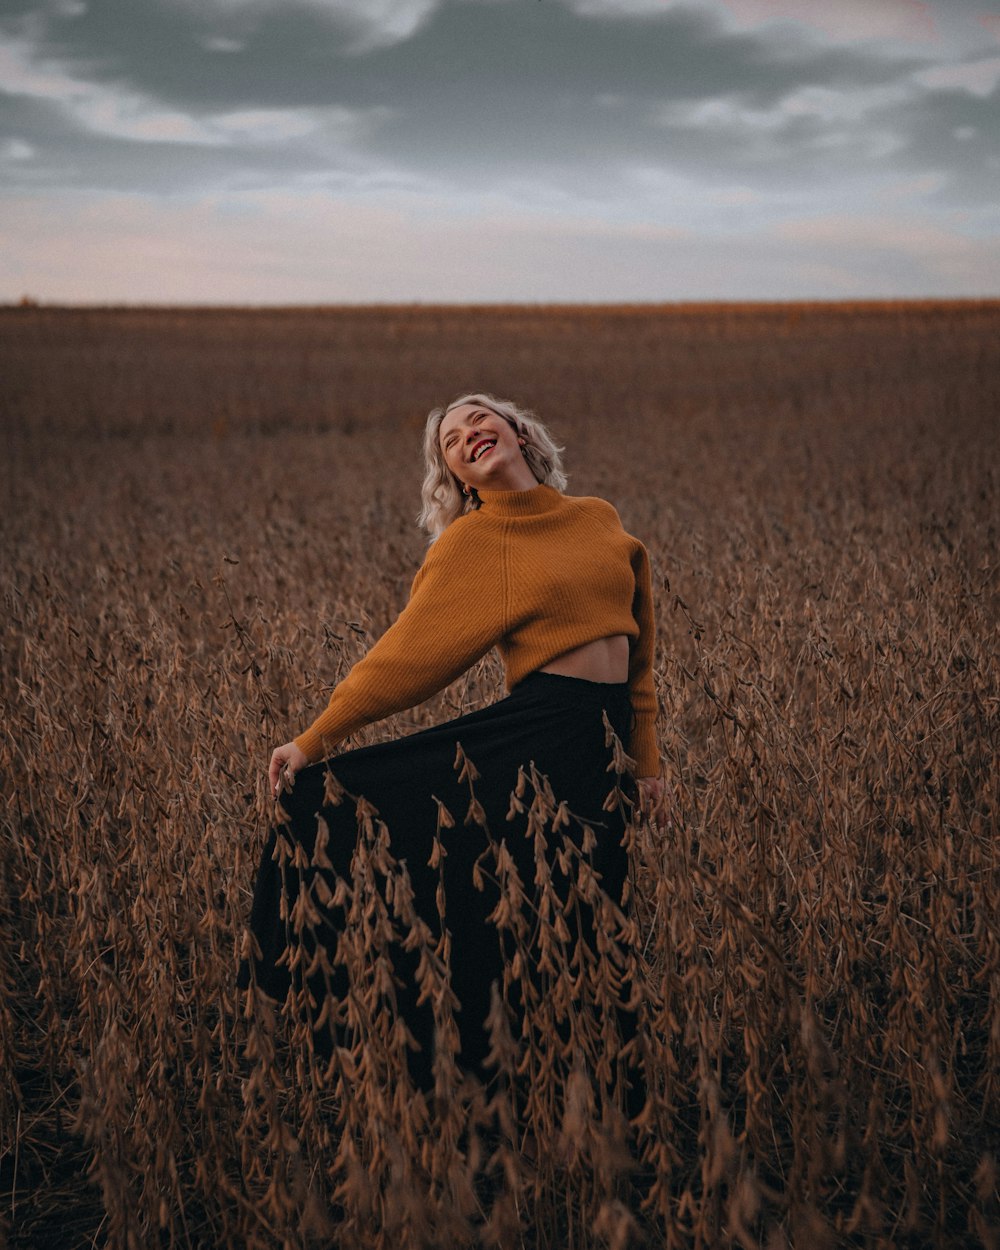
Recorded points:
474,863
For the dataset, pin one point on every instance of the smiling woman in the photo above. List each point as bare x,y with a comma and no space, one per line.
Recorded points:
563,592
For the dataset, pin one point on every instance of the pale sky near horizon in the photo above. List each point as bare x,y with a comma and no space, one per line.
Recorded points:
325,151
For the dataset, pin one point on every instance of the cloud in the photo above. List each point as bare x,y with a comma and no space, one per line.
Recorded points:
106,110
221,43
819,104
272,126
977,77
904,189
692,129
847,20
379,22
366,24
117,112
559,101
15,150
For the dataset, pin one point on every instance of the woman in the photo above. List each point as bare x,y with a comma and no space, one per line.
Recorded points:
554,583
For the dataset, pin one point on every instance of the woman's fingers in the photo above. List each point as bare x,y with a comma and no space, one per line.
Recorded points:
285,763
650,794
653,801
274,771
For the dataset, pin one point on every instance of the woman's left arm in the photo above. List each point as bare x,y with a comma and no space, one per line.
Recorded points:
643,746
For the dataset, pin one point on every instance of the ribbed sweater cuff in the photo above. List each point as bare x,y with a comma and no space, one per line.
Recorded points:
310,743
644,751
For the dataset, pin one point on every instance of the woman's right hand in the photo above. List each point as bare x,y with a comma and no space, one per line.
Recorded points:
654,803
285,763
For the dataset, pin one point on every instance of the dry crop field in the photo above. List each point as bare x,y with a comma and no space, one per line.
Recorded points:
208,516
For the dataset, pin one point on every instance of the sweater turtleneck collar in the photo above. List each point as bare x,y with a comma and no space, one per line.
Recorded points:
520,503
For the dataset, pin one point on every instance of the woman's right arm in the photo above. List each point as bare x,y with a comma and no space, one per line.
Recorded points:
453,617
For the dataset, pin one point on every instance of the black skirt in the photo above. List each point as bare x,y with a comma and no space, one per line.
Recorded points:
510,802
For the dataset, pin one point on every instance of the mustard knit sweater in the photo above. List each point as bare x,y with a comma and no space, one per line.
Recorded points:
534,573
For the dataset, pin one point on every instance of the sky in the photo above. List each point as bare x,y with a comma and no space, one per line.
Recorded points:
368,151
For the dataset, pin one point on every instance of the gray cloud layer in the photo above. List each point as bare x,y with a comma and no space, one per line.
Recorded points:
531,100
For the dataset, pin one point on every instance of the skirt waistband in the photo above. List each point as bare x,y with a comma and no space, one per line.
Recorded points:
570,689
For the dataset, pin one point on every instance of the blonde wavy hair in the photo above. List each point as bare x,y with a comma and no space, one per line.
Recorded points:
443,499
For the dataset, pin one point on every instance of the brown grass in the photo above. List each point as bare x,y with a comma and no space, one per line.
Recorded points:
208,516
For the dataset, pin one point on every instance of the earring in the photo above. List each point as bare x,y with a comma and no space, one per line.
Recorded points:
465,490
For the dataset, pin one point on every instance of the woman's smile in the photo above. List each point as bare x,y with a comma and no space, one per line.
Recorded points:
480,449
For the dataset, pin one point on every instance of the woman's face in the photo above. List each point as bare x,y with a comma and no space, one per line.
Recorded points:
481,448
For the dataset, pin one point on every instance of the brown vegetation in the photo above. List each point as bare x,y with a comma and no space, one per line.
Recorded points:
207,516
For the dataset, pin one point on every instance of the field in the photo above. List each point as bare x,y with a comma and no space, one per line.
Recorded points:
209,515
